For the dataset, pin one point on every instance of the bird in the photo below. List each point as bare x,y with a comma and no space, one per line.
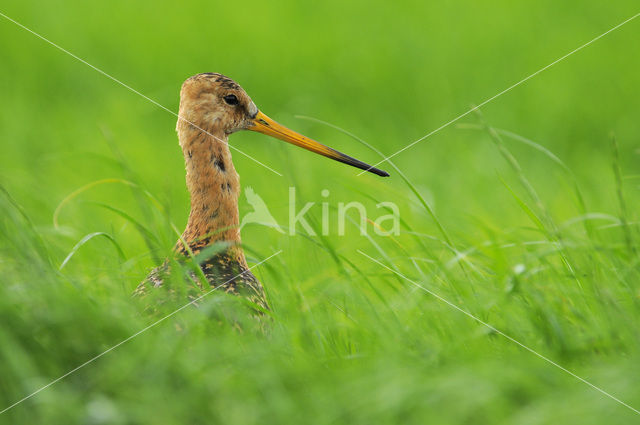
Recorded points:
212,107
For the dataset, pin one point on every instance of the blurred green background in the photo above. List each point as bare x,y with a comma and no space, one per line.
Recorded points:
533,227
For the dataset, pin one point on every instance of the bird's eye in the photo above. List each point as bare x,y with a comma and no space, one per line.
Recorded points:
231,99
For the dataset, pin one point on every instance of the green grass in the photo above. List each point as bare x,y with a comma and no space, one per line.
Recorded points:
525,215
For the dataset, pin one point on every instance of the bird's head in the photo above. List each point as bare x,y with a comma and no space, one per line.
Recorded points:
215,103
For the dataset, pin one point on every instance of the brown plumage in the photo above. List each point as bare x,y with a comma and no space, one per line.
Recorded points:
212,107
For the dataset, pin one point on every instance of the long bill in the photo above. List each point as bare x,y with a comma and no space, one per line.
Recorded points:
265,125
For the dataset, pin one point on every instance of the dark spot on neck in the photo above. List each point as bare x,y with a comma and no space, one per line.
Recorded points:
190,154
218,162
226,186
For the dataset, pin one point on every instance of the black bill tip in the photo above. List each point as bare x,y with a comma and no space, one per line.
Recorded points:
378,172
346,159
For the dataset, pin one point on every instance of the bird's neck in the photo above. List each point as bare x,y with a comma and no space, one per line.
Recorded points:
214,187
